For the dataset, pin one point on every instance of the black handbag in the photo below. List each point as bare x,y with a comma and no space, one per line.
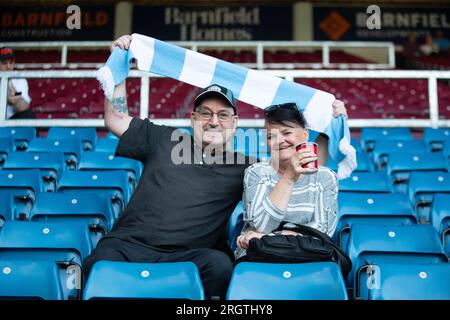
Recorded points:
311,246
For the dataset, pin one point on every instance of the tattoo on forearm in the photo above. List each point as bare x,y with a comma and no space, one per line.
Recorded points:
120,104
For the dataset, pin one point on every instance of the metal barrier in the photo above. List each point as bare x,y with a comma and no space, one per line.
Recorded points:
258,46
430,76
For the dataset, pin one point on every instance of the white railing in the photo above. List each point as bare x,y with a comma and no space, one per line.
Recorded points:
430,76
258,46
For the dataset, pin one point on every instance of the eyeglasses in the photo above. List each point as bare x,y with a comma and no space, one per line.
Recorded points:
289,105
206,114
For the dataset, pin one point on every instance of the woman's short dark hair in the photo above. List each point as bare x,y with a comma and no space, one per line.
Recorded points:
284,114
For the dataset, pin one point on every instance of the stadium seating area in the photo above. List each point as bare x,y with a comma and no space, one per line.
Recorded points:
60,194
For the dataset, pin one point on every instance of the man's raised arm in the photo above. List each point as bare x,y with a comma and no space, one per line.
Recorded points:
116,117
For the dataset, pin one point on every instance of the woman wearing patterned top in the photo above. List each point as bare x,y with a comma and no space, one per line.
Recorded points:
280,189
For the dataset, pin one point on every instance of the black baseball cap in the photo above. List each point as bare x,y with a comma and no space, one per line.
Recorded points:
217,91
7,53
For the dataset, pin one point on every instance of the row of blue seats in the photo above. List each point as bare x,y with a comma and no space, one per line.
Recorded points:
115,184
23,135
420,187
73,141
97,210
368,135
52,165
389,262
433,139
26,184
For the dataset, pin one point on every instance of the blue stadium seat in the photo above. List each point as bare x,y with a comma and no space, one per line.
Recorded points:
70,147
397,281
21,135
6,207
369,136
422,188
372,244
26,180
176,280
25,279
64,244
382,150
6,146
92,208
401,164
377,209
275,281
19,203
107,161
50,165
235,224
435,137
106,145
363,161
88,136
371,182
68,241
440,219
112,183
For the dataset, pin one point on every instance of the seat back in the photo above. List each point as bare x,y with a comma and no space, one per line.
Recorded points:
440,219
26,180
422,188
175,280
435,137
376,208
70,147
92,208
114,183
274,281
107,161
88,136
371,182
397,281
382,150
30,279
369,136
20,135
106,145
370,244
64,245
72,239
401,164
50,165
17,202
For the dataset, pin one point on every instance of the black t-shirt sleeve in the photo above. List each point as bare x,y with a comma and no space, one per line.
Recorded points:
140,139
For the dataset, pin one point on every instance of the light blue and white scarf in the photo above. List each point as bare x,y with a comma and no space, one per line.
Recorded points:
250,86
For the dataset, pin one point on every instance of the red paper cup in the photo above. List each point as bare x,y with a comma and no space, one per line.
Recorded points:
312,146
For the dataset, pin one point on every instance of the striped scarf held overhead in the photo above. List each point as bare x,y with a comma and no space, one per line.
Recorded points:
250,86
